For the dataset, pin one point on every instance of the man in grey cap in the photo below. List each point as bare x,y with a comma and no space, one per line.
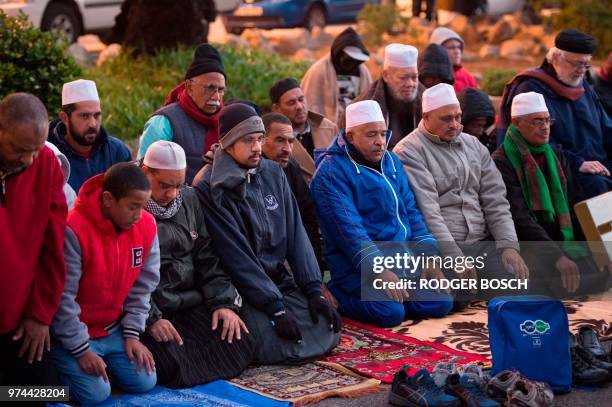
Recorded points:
194,330
581,128
258,234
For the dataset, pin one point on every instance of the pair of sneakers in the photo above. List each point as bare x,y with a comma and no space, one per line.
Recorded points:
513,389
589,367
468,386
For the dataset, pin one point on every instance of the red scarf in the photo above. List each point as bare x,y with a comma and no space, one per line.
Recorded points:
179,94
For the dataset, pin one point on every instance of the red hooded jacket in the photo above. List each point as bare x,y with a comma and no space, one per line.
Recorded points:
32,226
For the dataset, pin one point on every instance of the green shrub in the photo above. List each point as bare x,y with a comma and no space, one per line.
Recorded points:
378,19
132,88
593,17
33,61
493,80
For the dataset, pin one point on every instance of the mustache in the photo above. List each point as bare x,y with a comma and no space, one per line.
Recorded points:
213,103
255,155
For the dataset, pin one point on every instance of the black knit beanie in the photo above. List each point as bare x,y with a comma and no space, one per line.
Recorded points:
205,59
238,120
572,40
279,88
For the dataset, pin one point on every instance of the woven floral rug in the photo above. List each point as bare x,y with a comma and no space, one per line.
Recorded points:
306,384
378,353
467,330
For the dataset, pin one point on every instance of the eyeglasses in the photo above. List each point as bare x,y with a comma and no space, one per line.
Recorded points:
541,122
449,119
211,89
251,140
578,64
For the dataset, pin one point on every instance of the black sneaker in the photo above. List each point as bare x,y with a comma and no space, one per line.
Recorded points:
584,373
419,391
587,337
588,357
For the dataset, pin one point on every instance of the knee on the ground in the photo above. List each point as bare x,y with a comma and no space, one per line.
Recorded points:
142,383
386,314
96,392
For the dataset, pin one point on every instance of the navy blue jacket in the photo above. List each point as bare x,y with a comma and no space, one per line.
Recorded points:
582,129
107,151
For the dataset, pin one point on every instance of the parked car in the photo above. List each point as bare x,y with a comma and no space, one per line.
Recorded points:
269,14
76,17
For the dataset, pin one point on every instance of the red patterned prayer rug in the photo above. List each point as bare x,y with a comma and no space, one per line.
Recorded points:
377,353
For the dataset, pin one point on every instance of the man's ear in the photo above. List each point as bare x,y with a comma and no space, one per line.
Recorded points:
349,136
64,117
107,199
385,75
275,107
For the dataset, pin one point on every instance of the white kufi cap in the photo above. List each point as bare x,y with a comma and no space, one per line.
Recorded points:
526,103
366,111
165,155
80,90
400,56
437,96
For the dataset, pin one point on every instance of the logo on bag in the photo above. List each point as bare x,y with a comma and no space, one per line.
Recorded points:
535,329
271,202
137,257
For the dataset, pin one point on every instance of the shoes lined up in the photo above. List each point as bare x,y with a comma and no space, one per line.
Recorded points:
590,362
446,387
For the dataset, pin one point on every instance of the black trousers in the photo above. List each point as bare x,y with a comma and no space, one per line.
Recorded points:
16,371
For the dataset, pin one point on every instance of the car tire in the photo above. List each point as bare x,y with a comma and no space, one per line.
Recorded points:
63,18
316,17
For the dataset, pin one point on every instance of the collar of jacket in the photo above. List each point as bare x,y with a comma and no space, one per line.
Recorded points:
59,138
436,139
341,146
227,176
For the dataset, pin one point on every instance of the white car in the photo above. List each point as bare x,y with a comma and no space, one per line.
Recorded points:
75,17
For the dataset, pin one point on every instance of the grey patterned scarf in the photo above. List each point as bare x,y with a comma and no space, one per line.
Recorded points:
161,212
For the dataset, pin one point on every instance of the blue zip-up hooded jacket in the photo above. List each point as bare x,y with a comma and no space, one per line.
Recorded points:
107,151
358,206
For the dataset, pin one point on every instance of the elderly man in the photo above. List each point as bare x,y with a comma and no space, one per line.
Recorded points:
454,44
541,194
477,116
363,197
257,232
32,226
398,91
194,330
312,130
332,82
80,136
583,128
190,116
458,188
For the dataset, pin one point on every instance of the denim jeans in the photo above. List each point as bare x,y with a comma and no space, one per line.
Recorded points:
90,389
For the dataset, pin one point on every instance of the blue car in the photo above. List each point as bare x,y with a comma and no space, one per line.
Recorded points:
268,14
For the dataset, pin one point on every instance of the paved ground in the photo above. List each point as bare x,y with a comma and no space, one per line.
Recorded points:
577,398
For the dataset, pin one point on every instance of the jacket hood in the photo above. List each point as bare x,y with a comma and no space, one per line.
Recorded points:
225,175
57,136
442,34
434,61
88,204
63,161
340,147
348,37
475,103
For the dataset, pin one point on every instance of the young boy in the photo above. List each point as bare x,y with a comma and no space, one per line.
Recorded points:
112,262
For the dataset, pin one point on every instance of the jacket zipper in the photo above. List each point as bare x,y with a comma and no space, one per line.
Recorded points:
382,174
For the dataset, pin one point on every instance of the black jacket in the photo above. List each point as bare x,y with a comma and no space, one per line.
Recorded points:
255,225
434,62
475,103
527,229
190,271
308,212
